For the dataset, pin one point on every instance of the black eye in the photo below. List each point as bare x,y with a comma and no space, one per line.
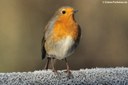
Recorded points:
63,12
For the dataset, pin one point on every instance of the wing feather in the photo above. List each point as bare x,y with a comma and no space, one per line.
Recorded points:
46,33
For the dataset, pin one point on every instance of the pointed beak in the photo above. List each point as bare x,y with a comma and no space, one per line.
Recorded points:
75,11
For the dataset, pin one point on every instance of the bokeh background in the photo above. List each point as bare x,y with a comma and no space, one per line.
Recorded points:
104,40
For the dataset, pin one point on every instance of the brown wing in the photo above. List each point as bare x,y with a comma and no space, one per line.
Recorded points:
46,33
79,36
79,33
43,48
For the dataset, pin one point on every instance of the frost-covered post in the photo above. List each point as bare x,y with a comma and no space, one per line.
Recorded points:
97,76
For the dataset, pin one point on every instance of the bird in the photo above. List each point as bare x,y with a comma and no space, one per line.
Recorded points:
61,37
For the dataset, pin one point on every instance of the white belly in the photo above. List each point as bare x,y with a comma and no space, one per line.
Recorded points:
63,48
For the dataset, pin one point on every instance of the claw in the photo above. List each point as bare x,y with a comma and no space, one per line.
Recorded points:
68,72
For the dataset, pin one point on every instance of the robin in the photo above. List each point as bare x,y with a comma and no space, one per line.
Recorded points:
61,36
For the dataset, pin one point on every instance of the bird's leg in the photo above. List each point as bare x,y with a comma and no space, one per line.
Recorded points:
47,63
68,68
52,63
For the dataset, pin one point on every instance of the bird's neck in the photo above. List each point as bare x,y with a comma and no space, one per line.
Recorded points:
66,27
67,19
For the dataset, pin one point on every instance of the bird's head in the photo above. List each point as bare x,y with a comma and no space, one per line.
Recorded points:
66,13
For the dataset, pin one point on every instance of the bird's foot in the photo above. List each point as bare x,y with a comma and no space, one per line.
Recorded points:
45,68
68,72
55,71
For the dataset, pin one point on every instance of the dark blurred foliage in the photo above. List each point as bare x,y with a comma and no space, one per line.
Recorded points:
104,41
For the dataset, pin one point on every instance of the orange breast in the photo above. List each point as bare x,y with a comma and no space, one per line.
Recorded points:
63,28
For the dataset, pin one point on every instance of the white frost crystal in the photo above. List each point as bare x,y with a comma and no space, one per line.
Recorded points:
96,76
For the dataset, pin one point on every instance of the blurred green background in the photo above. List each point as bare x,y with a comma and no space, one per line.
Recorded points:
104,40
